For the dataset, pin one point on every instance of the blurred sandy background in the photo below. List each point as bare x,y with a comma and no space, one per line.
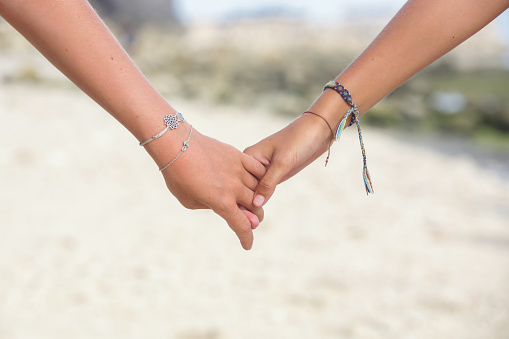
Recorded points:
93,246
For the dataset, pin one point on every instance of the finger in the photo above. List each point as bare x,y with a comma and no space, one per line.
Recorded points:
240,224
249,181
257,154
267,184
253,166
246,200
260,152
253,219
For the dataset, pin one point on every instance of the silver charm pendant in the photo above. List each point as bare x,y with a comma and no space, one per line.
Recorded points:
172,121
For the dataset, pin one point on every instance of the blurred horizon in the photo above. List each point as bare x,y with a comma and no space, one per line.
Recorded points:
319,12
195,11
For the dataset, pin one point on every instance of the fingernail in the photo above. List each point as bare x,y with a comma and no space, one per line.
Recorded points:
258,200
255,222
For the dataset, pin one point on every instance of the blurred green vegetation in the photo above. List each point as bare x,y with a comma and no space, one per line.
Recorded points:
284,80
287,78
483,115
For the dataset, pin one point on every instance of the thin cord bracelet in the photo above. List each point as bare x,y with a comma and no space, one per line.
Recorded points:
354,113
332,132
171,122
186,145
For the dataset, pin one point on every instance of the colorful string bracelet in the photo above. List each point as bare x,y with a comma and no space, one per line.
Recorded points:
354,113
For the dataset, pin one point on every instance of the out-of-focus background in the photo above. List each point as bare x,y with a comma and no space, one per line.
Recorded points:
93,245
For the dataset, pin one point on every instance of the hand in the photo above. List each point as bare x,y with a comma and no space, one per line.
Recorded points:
287,152
211,174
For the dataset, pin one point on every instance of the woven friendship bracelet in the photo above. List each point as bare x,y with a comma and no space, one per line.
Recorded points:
354,113
344,94
171,122
186,145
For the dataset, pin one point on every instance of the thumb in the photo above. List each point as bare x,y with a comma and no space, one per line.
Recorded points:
267,184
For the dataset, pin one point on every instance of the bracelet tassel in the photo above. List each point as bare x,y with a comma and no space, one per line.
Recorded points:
354,113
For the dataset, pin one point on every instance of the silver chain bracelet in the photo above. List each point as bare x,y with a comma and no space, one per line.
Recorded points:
186,145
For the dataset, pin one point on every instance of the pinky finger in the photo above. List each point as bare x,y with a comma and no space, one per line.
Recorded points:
253,219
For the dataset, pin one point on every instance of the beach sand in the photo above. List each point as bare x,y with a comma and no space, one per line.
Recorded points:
93,245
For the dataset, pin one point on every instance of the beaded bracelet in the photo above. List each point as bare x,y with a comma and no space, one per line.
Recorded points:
354,112
186,145
171,122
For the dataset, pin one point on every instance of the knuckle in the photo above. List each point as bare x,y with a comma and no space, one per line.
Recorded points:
224,205
265,185
235,186
259,168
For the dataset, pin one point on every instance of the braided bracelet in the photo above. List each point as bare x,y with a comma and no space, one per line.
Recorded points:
171,122
354,112
186,145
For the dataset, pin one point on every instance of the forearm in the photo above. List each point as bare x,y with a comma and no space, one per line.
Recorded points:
209,174
422,32
72,37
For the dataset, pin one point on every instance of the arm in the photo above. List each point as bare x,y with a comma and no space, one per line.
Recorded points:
209,174
420,33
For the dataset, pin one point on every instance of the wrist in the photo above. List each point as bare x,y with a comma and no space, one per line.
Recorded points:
149,120
164,149
325,123
316,131
331,107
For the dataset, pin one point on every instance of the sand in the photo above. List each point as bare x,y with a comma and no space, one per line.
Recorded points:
93,245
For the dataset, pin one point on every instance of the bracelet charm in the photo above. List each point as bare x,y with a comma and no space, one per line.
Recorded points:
171,122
